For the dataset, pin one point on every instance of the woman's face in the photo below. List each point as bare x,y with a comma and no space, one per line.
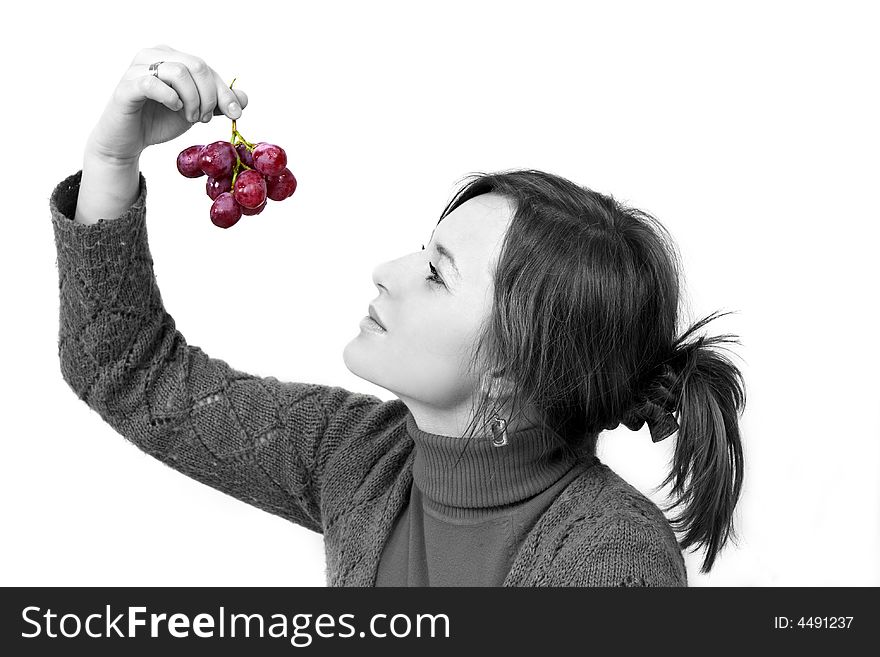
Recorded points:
430,325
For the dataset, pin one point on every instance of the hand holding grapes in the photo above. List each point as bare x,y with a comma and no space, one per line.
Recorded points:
147,109
161,95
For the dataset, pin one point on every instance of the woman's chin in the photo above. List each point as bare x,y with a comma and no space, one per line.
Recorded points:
356,357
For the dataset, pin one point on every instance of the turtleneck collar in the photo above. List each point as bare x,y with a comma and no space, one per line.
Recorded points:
485,476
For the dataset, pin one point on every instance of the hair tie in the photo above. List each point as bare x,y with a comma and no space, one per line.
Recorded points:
661,422
657,409
662,426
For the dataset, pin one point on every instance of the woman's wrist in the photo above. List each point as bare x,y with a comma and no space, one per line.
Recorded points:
108,186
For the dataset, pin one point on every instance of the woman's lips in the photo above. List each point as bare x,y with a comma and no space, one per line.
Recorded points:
370,324
371,312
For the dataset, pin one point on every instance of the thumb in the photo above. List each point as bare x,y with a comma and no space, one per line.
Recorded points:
242,97
229,95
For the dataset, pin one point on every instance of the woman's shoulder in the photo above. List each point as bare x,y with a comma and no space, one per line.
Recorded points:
610,496
606,532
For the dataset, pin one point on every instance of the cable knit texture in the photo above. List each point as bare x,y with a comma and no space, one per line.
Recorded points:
335,461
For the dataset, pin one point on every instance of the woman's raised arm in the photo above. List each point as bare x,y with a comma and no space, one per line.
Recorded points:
261,440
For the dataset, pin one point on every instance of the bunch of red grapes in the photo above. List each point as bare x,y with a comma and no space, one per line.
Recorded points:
241,176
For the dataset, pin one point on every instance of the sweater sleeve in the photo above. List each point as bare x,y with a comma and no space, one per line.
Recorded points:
263,441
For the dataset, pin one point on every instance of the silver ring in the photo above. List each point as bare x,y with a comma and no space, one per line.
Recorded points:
154,68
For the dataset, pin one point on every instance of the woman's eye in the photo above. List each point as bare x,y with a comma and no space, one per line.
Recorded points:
434,278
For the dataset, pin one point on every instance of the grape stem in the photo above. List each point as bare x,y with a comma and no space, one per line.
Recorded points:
238,138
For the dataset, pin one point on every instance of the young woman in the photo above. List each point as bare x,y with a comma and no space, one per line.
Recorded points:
539,314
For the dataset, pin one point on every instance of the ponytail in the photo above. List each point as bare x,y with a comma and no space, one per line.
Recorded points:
708,461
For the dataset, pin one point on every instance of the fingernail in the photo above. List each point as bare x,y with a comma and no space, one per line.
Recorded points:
206,117
193,117
235,108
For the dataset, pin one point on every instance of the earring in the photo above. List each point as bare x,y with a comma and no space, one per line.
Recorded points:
498,425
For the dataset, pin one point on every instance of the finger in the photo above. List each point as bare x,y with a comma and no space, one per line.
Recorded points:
147,56
177,76
203,77
217,93
132,93
226,98
206,82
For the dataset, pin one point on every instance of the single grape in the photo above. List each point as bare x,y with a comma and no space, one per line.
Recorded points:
281,186
250,189
269,159
225,211
216,186
256,210
245,155
188,162
217,159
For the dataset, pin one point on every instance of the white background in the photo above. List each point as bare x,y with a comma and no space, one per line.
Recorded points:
749,129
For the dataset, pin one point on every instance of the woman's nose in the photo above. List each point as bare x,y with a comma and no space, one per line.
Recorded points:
384,277
393,273
380,275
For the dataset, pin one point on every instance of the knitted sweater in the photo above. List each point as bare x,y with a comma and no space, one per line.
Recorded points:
334,461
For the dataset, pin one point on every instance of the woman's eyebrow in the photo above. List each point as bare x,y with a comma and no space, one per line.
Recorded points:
445,253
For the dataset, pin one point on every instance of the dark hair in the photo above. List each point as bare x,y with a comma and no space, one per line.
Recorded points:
584,322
